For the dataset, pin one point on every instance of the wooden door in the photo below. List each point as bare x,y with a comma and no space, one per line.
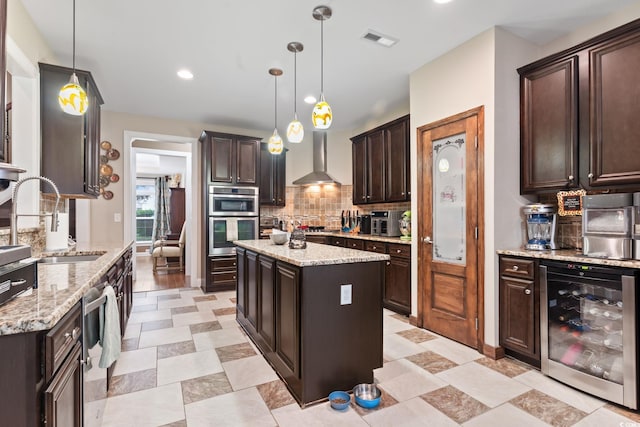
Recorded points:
614,126
449,205
549,126
375,167
221,159
397,152
247,155
359,160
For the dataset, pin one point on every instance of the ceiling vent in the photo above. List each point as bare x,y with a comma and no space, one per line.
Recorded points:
379,38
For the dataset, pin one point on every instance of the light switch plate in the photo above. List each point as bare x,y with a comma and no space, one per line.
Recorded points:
117,217
345,294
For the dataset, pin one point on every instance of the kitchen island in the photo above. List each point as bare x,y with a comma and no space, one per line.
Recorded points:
314,313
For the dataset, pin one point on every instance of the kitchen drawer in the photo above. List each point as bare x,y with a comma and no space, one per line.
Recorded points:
403,251
354,244
517,267
60,340
317,239
223,277
227,263
336,241
374,247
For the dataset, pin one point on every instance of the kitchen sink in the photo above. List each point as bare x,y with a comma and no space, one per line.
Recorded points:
69,259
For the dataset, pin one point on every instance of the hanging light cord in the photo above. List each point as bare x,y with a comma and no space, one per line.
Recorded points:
321,57
275,125
74,36
295,85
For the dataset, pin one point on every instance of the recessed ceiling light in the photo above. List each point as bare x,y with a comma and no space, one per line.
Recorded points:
441,1
310,99
379,38
185,74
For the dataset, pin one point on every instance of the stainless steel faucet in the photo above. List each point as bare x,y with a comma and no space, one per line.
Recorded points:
13,237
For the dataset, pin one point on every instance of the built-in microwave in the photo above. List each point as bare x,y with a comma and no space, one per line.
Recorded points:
233,201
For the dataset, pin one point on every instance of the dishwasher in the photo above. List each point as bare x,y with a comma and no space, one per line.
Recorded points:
588,328
95,379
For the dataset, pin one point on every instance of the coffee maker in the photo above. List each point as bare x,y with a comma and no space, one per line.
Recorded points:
541,226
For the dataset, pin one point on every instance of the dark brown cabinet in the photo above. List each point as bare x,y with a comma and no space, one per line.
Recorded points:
380,164
397,284
230,159
519,303
272,177
287,320
579,116
266,310
63,397
70,144
222,274
317,239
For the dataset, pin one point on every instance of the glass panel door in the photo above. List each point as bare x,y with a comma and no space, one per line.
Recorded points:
449,196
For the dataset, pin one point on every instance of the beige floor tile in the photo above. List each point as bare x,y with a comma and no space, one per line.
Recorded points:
395,347
135,360
193,318
164,336
152,407
188,366
604,417
414,382
249,372
505,415
220,338
240,408
275,394
319,415
483,384
452,350
414,412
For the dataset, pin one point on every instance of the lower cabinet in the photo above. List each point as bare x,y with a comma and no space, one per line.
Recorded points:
397,283
287,349
63,396
317,239
266,302
520,309
222,274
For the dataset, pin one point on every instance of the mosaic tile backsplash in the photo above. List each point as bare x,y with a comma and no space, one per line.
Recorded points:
322,205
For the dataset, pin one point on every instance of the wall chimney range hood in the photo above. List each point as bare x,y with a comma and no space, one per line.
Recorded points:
319,174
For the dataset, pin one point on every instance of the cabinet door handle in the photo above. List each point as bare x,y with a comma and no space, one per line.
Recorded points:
570,177
590,175
388,263
515,268
375,247
402,193
398,251
527,291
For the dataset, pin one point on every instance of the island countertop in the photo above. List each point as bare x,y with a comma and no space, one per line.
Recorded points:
314,254
60,287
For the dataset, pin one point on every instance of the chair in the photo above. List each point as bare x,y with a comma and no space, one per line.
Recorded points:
169,249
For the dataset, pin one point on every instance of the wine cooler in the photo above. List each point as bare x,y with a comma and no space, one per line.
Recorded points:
588,329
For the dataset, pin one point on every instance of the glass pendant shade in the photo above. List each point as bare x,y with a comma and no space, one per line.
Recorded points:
295,131
322,115
275,144
72,98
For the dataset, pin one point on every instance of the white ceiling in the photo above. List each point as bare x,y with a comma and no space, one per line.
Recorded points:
134,48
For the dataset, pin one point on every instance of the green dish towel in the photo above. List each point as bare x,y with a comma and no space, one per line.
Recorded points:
109,329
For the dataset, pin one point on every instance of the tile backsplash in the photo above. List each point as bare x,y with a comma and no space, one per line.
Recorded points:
322,205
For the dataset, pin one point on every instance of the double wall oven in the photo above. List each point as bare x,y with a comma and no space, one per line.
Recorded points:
233,215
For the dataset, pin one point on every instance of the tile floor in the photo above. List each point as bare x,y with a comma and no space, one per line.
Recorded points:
187,363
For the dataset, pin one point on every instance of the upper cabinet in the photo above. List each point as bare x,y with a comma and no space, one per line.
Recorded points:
231,159
70,144
272,177
578,116
381,164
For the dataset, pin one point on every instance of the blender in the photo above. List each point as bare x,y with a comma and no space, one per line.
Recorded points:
541,226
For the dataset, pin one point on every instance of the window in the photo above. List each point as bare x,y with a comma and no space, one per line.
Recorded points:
145,208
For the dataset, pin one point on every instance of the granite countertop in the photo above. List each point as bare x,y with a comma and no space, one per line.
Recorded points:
359,236
572,255
315,253
60,287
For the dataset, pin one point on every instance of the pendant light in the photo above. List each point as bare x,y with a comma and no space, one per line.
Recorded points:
72,98
322,116
295,130
275,145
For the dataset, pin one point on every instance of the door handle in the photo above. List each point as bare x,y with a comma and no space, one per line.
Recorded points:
527,291
427,240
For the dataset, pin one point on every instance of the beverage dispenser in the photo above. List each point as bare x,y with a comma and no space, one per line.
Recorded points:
541,226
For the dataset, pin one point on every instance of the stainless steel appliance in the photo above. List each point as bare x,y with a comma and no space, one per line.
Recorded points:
18,271
541,226
365,224
223,231
386,223
636,226
588,328
95,379
607,221
233,201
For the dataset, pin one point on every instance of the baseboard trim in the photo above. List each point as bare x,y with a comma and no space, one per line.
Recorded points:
494,353
413,320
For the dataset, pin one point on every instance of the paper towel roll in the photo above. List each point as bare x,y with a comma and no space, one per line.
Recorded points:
57,240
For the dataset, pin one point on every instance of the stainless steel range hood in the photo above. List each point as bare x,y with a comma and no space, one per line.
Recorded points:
319,174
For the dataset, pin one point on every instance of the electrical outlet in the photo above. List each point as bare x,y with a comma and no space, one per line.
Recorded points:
117,217
345,294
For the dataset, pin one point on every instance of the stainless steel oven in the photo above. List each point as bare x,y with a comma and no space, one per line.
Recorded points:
224,230
588,328
233,201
